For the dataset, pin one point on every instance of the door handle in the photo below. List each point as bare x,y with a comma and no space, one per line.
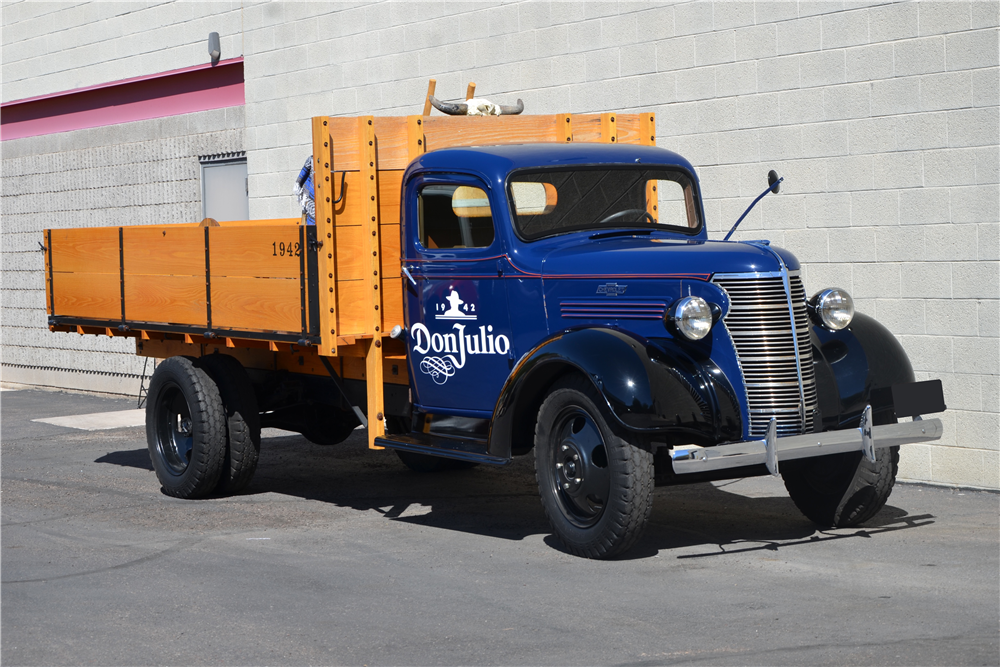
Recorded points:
409,276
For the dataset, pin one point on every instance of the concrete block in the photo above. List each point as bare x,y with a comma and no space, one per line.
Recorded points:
951,243
975,280
924,55
601,65
754,111
782,213
851,174
717,115
738,147
901,244
939,17
552,41
924,206
675,54
778,74
823,68
638,59
984,15
851,245
773,11
605,95
903,317
924,130
928,353
619,31
829,210
656,22
825,139
822,276
736,79
502,20
949,167
473,25
700,149
691,18
988,165
977,355
696,84
896,96
660,88
989,317
989,232
927,279
875,280
951,317
952,90
847,102
716,182
715,47
809,245
673,119
799,36
842,29
986,87
755,42
727,15
973,50
914,463
898,170
801,177
592,10
583,36
800,106
974,127
781,143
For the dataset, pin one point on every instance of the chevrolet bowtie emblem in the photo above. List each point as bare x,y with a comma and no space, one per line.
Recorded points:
611,289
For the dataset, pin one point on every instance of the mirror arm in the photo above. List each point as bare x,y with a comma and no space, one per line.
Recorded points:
770,187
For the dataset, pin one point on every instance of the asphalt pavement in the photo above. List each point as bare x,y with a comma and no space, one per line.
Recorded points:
338,555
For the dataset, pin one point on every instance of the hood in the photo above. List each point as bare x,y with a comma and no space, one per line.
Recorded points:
657,257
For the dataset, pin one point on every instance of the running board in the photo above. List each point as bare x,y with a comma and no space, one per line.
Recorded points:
449,448
769,451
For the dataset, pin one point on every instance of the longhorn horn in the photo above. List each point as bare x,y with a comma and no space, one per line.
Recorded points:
449,108
512,111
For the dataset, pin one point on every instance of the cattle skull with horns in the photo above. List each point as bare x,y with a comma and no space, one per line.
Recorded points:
476,107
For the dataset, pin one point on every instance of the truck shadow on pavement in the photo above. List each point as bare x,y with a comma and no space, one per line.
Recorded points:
695,521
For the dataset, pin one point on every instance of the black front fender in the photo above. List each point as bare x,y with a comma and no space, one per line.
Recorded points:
652,388
853,364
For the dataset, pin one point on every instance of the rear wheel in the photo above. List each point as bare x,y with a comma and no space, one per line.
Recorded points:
596,488
242,421
185,429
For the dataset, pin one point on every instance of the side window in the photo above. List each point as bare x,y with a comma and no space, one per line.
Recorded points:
454,216
224,191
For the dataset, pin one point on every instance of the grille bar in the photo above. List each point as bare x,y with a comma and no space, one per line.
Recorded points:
761,324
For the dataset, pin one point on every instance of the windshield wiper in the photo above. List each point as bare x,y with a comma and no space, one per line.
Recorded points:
622,232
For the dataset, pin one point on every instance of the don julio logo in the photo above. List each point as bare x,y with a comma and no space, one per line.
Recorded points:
454,348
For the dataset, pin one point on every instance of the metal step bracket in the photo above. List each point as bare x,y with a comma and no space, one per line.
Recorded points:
867,443
771,447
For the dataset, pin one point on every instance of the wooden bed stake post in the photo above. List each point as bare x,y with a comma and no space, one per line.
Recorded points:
431,87
470,92
373,278
324,188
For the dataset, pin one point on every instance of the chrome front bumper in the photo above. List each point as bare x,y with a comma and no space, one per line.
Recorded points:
771,450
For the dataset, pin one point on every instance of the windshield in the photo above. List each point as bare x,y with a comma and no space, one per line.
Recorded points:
549,202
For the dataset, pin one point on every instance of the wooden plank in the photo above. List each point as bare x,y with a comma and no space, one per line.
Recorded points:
564,122
609,128
393,301
323,163
165,250
352,210
390,183
352,321
350,260
48,271
275,222
415,137
630,128
256,304
343,135
373,279
431,87
390,251
164,298
444,131
87,250
95,296
586,128
392,142
265,252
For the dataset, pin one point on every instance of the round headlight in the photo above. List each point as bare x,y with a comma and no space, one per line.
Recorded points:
692,317
833,308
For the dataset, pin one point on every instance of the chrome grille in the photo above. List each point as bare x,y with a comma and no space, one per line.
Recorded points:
761,328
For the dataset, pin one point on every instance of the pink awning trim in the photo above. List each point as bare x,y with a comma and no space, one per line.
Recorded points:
181,91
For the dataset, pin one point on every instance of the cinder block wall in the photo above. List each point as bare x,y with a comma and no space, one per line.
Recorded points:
883,118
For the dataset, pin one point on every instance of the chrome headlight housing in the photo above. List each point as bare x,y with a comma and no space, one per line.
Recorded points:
690,316
832,308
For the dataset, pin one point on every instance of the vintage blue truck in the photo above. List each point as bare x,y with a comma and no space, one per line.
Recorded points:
560,299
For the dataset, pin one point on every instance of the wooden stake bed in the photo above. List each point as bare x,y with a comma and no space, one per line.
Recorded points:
271,291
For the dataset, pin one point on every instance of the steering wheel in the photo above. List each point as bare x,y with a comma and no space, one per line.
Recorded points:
628,212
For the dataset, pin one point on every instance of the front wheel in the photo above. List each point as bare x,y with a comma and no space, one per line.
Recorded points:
596,488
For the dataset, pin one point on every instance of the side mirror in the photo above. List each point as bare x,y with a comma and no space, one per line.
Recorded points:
774,181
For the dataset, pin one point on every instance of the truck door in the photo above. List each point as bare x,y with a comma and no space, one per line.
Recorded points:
459,337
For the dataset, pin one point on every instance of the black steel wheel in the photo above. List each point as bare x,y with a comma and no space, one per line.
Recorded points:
596,488
242,421
185,429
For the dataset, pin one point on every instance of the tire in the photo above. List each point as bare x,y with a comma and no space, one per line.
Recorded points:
185,429
242,421
426,463
604,514
841,490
